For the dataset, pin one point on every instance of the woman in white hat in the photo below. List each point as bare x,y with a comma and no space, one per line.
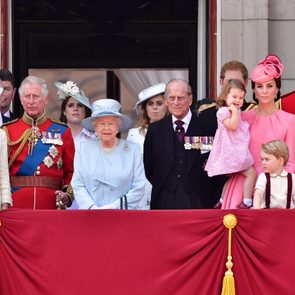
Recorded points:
108,171
152,108
74,108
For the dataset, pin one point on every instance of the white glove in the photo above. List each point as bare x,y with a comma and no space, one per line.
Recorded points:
108,206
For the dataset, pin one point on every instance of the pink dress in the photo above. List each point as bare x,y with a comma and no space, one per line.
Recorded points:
280,125
230,151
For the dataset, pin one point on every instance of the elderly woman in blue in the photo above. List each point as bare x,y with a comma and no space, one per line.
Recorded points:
107,169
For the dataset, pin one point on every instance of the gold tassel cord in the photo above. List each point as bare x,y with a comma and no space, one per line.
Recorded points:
228,285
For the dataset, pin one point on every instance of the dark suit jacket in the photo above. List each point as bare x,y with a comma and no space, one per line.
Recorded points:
159,156
6,119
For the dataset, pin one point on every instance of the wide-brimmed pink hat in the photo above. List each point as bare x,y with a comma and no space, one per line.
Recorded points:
267,69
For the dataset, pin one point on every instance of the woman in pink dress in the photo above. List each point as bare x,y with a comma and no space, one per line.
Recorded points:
230,152
266,122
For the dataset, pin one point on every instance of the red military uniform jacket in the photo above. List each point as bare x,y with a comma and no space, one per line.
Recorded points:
41,154
288,102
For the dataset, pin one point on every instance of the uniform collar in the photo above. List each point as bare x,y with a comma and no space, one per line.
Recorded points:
34,122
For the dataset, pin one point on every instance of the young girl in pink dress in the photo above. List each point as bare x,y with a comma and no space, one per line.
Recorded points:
230,153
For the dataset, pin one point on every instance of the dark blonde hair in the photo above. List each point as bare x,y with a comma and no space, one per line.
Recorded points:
277,148
234,65
232,83
145,120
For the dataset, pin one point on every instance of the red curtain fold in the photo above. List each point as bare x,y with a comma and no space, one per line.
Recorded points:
178,252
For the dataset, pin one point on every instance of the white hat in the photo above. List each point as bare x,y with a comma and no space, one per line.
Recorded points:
71,88
106,107
150,92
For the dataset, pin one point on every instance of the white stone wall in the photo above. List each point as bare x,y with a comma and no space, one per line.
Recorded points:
250,29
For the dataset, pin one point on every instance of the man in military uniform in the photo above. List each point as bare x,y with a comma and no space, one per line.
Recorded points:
41,153
287,102
206,110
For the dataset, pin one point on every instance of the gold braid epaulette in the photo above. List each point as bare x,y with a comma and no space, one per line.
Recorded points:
251,106
23,139
206,106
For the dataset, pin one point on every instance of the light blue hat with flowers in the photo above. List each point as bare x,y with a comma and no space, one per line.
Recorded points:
71,88
106,107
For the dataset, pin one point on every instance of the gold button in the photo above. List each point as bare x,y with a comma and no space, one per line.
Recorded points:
38,172
38,168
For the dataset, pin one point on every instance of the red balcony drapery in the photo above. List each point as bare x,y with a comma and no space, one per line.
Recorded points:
145,252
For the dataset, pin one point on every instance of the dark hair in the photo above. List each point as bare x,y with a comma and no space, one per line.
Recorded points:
6,75
63,118
278,84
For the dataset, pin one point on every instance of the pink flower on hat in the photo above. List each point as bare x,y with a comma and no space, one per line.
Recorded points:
272,65
268,68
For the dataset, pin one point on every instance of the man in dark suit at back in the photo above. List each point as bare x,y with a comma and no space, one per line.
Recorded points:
206,109
7,85
174,171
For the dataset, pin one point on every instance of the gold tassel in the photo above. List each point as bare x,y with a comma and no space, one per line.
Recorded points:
228,285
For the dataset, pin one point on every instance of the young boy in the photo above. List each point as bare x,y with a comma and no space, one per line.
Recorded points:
275,188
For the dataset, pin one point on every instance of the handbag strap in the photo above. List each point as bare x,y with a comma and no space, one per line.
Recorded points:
123,203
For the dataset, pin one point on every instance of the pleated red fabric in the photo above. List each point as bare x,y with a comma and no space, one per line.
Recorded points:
177,252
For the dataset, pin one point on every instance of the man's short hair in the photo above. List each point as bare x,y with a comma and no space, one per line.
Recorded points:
6,75
234,65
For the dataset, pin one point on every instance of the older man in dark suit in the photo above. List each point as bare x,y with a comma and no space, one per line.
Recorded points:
174,171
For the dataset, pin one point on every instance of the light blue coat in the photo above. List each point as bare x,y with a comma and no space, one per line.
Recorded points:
101,178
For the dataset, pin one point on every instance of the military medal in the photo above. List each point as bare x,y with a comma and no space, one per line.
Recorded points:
48,161
59,163
51,138
187,142
198,142
53,151
58,139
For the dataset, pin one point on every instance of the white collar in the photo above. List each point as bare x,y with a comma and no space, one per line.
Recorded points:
284,173
7,114
186,119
